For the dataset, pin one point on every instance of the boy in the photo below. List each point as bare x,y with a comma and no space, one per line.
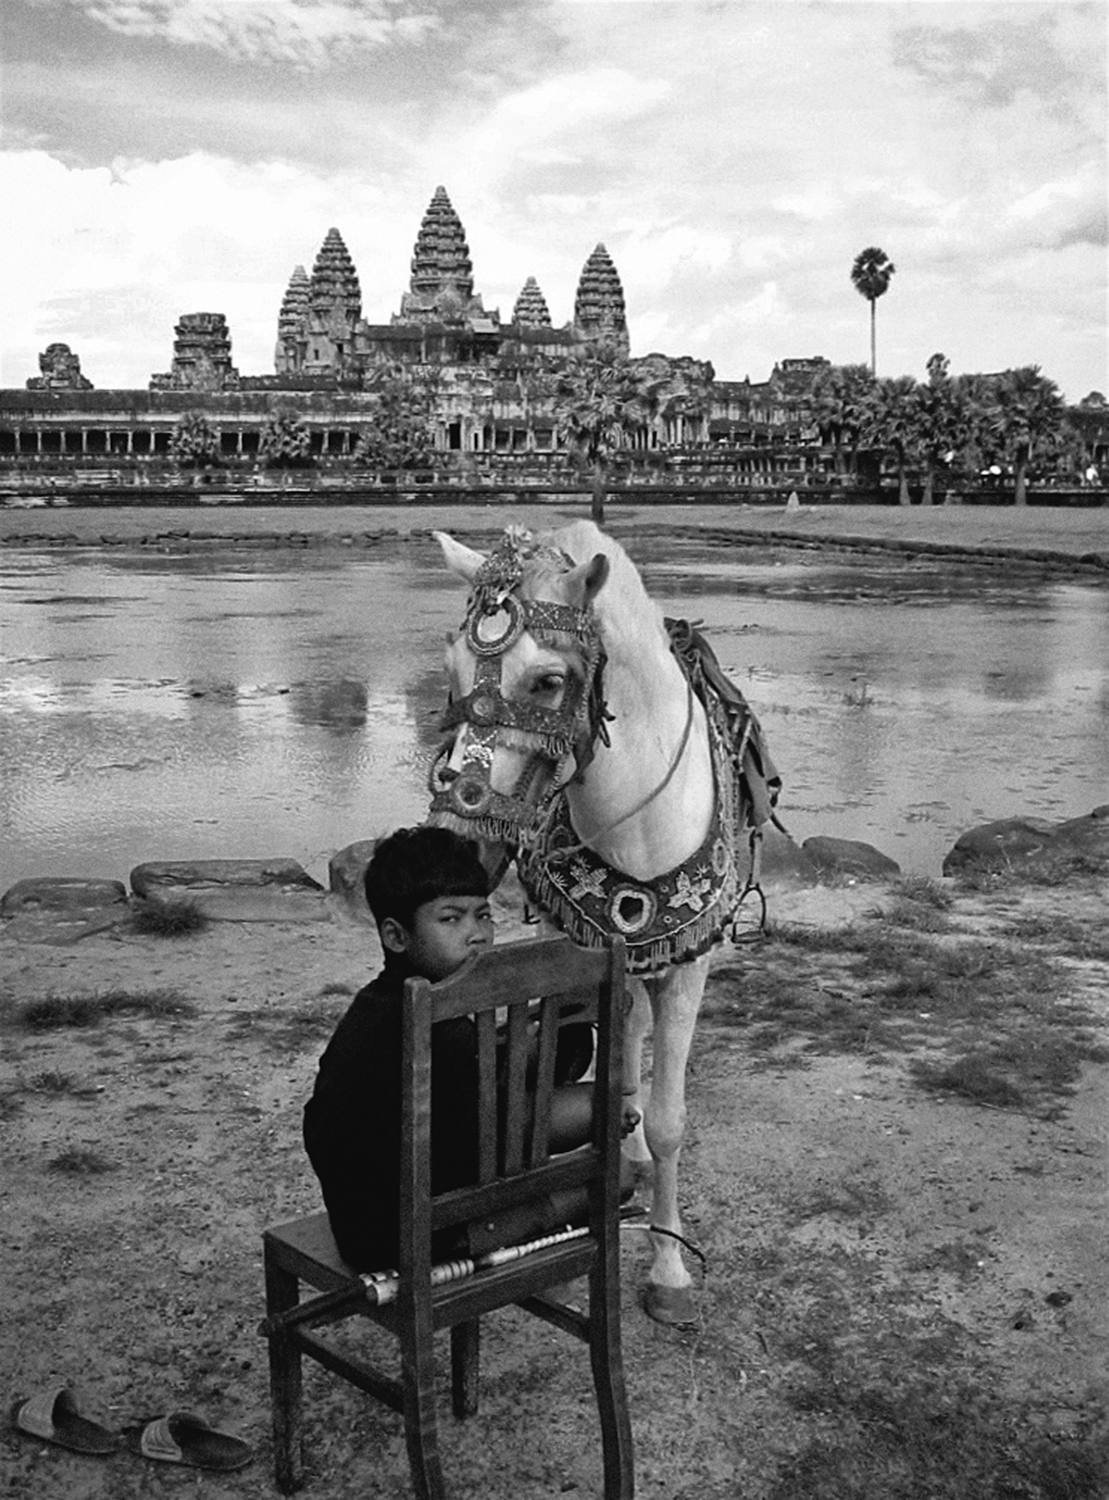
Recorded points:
429,895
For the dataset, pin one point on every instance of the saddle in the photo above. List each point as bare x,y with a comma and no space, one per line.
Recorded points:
734,719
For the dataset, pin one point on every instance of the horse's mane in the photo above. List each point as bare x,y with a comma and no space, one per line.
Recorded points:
629,620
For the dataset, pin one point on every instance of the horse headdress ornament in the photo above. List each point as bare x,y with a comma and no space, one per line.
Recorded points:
496,617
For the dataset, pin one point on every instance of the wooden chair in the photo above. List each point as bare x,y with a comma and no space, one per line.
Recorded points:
537,981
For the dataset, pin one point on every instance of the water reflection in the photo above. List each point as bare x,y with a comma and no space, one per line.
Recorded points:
262,701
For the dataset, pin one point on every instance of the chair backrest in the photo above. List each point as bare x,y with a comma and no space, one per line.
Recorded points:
528,987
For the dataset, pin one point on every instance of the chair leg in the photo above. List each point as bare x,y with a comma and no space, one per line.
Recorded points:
606,1359
465,1355
421,1431
282,1293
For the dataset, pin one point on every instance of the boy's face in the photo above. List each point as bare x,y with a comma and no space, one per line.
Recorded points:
443,934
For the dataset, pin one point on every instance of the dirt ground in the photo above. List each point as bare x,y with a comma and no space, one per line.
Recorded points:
906,1291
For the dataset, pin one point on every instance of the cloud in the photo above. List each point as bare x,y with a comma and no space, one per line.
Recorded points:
991,66
306,33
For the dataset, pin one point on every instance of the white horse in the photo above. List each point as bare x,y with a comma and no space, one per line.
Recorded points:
577,745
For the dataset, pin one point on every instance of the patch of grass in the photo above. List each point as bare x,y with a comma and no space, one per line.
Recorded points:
915,1438
80,1161
177,919
850,1198
286,1031
51,1081
337,987
10,1105
61,1012
919,916
960,1257
1077,938
925,892
1000,1011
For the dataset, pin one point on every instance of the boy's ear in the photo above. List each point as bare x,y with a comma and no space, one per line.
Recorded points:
394,935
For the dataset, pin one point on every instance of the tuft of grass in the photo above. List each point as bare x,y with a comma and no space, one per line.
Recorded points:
177,919
63,1012
286,1031
918,916
925,892
337,987
80,1161
51,1081
960,1257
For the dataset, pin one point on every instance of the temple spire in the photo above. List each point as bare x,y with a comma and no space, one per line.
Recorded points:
531,307
334,285
442,285
599,314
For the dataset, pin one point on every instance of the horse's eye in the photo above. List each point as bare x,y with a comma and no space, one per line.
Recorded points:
549,683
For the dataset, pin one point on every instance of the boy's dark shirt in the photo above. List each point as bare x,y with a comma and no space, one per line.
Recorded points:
352,1123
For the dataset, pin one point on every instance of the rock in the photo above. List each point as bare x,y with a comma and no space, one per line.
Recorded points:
1030,842
61,909
65,893
346,874
234,890
850,857
784,862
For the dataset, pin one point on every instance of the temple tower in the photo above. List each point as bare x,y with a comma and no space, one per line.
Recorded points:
441,289
334,308
292,323
201,356
599,315
531,307
60,371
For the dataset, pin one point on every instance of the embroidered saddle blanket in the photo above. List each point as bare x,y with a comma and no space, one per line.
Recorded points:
678,915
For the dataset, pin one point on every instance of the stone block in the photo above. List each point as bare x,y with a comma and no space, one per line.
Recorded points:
1028,842
850,857
61,893
61,909
346,873
234,890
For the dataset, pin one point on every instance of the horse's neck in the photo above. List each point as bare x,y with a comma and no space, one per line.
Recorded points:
645,770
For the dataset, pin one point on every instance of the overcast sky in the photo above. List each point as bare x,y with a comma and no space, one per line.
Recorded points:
171,156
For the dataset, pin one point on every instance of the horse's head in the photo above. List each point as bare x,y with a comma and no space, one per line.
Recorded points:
525,699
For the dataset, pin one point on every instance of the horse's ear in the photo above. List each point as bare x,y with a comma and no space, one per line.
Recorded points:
460,559
587,580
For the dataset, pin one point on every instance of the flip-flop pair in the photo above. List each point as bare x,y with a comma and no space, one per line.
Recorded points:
179,1438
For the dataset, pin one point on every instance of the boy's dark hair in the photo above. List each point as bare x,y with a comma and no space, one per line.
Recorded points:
415,865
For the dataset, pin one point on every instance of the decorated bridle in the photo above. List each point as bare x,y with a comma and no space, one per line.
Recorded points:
496,617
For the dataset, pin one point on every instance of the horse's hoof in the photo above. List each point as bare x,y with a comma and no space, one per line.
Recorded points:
675,1306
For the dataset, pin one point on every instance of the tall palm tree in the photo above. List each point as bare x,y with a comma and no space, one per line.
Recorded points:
870,276
598,409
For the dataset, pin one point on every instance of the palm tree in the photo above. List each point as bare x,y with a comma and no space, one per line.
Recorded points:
841,397
401,432
285,442
1027,417
598,409
870,276
892,426
195,442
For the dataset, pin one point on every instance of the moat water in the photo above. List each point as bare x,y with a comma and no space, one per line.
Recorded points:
255,701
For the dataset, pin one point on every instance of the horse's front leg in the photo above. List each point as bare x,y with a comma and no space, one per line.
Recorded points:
637,1028
675,1000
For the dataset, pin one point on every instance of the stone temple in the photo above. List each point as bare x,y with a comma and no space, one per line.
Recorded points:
442,319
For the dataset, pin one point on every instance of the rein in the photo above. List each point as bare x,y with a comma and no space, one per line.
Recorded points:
644,802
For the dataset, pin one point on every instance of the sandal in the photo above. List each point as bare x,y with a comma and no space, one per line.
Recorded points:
53,1415
182,1438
